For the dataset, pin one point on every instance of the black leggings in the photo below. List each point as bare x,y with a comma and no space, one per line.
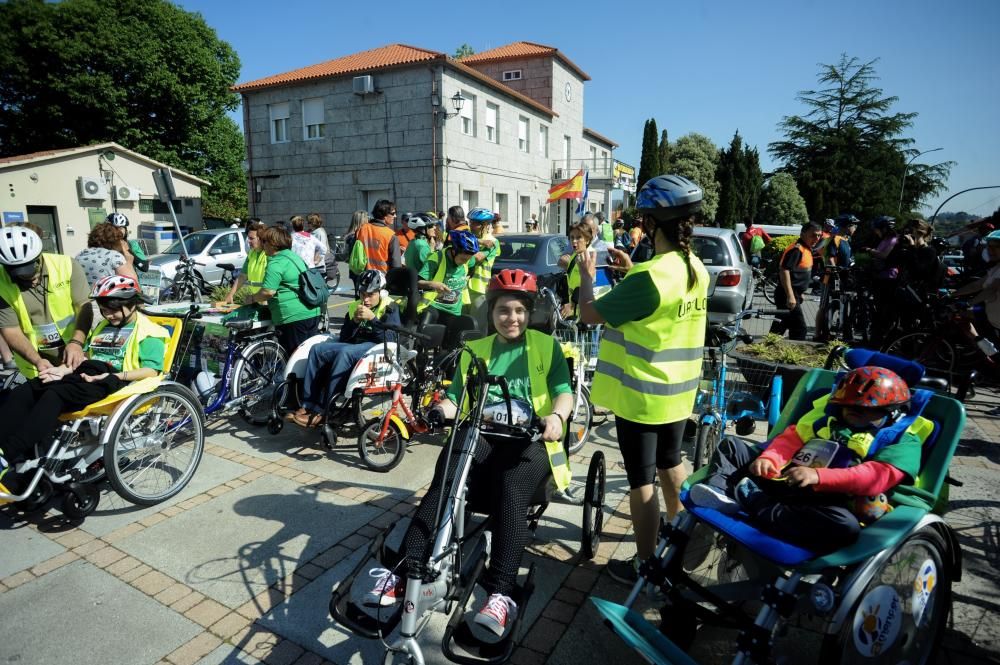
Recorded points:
819,521
646,448
30,414
505,475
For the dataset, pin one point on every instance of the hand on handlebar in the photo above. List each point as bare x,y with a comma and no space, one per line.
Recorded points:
552,428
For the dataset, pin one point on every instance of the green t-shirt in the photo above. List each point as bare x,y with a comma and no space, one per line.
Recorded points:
109,346
136,249
510,359
632,299
416,254
456,278
282,277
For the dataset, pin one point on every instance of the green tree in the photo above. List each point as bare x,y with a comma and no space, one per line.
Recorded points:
848,151
143,73
694,156
781,203
463,51
649,160
754,183
664,153
730,177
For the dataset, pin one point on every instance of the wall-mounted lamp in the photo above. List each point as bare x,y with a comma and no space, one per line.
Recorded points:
457,103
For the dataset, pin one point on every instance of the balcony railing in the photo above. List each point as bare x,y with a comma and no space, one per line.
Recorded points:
599,169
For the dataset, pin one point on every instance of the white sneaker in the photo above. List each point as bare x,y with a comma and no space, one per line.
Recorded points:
707,496
387,589
498,611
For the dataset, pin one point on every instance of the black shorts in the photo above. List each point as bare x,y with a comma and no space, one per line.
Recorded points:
646,448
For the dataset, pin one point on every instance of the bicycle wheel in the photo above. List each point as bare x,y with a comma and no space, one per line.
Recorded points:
927,348
257,373
834,320
333,280
381,453
582,420
706,442
770,286
155,445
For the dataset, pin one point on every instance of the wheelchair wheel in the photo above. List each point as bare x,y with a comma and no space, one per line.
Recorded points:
593,506
381,455
256,377
582,421
82,502
901,613
155,445
709,435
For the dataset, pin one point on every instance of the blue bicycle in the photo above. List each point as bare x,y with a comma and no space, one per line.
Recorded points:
750,395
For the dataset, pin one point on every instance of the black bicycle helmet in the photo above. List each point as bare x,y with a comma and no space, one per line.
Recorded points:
668,197
371,281
117,219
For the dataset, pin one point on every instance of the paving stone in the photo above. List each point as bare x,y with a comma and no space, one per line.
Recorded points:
229,625
207,612
172,594
544,635
193,651
153,582
123,565
24,547
105,557
17,579
90,547
227,654
187,602
55,562
283,653
74,538
123,532
135,573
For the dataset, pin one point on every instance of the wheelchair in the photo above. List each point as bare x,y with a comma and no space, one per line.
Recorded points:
460,552
147,439
883,599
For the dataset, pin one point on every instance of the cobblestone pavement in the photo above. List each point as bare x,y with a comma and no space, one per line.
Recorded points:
239,567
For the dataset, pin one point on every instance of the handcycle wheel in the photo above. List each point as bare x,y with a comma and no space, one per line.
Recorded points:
82,502
706,442
900,615
581,421
155,444
381,453
593,506
256,377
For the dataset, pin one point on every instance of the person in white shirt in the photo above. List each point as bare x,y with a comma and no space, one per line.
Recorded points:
309,249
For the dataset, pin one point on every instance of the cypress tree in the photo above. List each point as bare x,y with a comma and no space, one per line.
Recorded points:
664,153
649,166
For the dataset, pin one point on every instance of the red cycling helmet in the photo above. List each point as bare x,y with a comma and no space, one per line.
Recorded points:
871,387
512,282
116,287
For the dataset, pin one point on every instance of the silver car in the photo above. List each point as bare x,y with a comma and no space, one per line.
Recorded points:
214,250
730,289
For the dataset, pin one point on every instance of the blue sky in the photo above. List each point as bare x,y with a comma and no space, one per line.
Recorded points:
708,67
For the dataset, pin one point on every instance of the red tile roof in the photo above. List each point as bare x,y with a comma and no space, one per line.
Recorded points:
519,51
383,57
599,137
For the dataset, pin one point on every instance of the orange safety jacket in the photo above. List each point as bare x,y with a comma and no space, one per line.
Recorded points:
377,238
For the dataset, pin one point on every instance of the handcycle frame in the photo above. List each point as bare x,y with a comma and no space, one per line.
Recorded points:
458,557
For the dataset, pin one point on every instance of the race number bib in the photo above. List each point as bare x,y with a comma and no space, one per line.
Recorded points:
520,413
48,336
817,454
449,298
110,345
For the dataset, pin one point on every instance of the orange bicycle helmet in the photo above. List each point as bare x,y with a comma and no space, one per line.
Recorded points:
871,387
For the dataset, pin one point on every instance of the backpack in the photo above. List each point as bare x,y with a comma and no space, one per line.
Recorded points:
313,290
359,258
756,244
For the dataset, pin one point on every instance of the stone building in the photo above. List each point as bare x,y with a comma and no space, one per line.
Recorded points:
337,136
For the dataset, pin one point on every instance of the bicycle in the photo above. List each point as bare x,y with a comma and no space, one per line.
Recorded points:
722,400
580,348
458,555
765,282
247,379
187,285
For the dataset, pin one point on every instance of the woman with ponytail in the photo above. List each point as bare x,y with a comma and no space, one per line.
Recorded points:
649,364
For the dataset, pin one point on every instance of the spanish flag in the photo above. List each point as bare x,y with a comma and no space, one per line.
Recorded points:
571,189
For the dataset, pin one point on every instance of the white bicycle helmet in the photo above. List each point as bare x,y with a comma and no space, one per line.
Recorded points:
117,219
371,281
19,246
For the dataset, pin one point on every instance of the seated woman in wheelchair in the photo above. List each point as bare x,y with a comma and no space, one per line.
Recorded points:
331,362
824,476
506,471
125,347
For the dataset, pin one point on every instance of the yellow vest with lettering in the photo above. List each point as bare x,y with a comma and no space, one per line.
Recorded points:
538,347
255,267
648,371
59,296
481,273
144,328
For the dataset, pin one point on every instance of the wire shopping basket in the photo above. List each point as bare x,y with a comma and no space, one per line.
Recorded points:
747,389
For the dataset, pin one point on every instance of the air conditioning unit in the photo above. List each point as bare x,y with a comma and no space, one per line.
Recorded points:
364,85
91,188
124,193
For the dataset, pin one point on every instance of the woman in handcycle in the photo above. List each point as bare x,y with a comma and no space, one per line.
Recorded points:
125,347
330,362
507,471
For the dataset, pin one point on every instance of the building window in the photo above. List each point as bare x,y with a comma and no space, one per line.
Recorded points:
593,157
543,140
604,160
566,149
502,207
313,125
522,134
512,75
470,199
492,111
279,122
468,115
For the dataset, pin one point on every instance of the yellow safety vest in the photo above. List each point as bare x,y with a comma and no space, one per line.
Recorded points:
255,267
379,310
540,358
573,280
59,296
479,280
648,371
144,328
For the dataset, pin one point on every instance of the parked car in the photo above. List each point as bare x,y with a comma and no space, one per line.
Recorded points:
210,249
730,289
537,253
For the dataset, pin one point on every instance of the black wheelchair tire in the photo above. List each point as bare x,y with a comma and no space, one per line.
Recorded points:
593,506
77,507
